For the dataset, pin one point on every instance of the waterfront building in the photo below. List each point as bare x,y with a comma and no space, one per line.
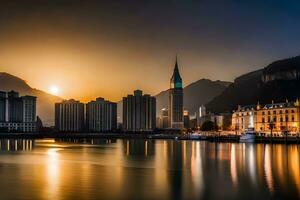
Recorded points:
69,116
278,117
101,116
139,112
163,119
193,121
17,114
202,116
223,121
202,111
176,100
186,119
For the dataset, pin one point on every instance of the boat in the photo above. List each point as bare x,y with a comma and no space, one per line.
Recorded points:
194,136
248,136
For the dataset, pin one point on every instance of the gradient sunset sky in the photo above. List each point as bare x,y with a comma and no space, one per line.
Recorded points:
109,48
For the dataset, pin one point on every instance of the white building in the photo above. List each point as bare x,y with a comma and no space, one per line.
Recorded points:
69,116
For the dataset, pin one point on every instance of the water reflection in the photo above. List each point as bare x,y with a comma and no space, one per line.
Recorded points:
86,141
52,174
16,145
148,169
233,167
139,147
268,169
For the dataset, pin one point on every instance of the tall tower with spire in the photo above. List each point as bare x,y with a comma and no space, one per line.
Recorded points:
176,100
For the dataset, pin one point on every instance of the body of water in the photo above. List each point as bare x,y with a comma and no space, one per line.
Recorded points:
147,169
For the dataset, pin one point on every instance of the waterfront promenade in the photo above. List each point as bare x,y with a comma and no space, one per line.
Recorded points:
210,137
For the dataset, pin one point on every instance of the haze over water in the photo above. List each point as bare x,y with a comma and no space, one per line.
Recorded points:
147,169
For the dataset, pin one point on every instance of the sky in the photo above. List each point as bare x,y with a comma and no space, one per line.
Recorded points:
85,49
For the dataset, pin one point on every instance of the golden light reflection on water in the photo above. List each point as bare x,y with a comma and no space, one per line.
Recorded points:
251,164
294,165
196,167
187,169
53,171
233,167
268,168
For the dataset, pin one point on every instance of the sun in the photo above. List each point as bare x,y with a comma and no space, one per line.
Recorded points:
53,89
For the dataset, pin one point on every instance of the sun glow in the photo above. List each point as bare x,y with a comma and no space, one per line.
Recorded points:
54,90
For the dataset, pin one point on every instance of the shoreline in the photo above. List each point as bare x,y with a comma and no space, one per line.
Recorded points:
222,138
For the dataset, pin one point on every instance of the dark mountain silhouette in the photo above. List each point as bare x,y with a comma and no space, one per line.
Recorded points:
278,81
195,94
45,101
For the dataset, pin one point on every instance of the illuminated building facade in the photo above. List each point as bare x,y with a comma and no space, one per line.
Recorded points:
280,117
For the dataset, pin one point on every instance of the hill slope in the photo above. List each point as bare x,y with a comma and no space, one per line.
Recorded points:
195,94
278,81
45,101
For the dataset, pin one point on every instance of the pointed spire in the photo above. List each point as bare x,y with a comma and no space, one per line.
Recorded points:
176,80
176,63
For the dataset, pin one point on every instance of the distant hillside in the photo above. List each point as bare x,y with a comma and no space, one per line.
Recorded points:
278,81
195,94
45,101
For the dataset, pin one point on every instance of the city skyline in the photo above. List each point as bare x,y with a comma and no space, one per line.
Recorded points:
83,46
150,99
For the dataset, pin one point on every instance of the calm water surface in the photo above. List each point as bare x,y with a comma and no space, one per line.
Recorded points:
147,169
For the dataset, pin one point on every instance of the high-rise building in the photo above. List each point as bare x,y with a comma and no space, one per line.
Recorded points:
139,112
2,106
69,116
17,114
101,116
176,100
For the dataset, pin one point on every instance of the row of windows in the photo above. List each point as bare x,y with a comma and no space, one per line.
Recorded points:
269,112
280,112
279,118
